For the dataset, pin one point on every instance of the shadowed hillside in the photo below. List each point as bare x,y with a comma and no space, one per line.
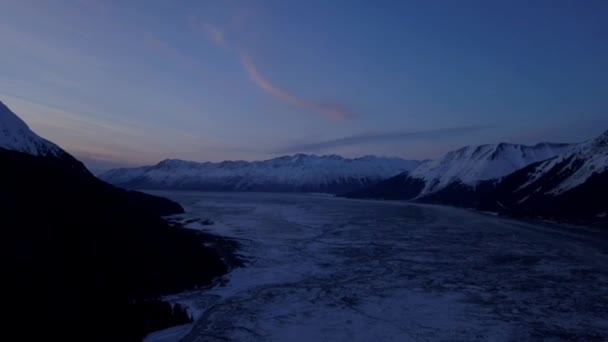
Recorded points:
83,255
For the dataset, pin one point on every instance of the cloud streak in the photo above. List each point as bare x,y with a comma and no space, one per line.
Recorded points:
334,112
86,134
330,111
215,34
368,138
167,50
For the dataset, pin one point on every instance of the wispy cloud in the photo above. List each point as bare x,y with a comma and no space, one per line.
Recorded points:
87,134
166,49
367,138
335,112
215,34
331,111
102,142
50,115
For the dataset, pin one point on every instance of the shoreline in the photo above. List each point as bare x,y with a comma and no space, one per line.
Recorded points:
597,224
225,248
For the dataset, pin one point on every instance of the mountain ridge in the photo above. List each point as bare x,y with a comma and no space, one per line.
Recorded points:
465,167
573,185
291,173
16,135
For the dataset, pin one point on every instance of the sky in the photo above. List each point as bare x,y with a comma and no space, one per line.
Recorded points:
120,83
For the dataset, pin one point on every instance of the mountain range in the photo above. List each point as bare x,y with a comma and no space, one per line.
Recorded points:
461,171
296,173
553,181
506,178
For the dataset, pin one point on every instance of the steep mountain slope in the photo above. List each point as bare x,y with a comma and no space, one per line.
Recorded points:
15,135
79,255
400,187
459,172
297,173
470,165
573,185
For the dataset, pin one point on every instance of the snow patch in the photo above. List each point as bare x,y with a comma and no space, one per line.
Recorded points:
15,135
473,164
577,164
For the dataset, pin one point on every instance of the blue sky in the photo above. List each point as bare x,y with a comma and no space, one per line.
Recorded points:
132,82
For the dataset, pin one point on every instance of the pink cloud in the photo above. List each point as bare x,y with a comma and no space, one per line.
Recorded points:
328,110
215,35
335,112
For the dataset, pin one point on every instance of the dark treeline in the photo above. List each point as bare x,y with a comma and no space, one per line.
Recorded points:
153,315
85,260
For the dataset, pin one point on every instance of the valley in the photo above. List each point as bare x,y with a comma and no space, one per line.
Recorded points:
323,268
302,171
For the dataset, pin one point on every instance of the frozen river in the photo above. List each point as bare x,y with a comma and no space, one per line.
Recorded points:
327,269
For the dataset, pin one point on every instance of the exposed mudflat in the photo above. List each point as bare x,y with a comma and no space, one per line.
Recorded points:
328,269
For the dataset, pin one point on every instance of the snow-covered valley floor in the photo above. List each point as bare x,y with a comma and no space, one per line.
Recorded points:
329,269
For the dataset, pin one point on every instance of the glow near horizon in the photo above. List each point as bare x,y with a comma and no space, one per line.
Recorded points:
234,80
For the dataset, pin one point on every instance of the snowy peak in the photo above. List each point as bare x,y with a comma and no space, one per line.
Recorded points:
571,168
473,164
15,135
601,142
571,186
299,172
460,173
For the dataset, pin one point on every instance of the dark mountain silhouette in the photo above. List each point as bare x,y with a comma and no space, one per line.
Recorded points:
83,257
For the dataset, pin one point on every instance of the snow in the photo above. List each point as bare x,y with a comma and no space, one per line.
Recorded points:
523,199
594,155
332,269
578,163
472,164
299,170
15,135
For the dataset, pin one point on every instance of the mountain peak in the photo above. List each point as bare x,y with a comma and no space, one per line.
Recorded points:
602,140
15,135
300,156
472,164
169,161
574,166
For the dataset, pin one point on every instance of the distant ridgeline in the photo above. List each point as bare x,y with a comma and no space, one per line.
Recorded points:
551,181
297,173
85,260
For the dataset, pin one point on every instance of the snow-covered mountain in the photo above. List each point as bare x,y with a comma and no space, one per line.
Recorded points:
572,168
572,185
461,170
15,135
296,173
473,164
